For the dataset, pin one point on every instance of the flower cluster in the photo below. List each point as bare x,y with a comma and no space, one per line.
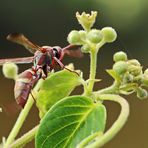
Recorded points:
90,38
132,77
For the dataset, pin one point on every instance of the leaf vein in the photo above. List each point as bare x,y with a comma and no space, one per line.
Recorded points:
58,131
77,127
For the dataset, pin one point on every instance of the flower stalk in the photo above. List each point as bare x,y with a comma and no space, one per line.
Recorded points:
118,124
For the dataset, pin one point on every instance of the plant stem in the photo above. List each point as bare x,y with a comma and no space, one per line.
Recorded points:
19,122
113,89
25,138
119,123
22,116
93,66
88,139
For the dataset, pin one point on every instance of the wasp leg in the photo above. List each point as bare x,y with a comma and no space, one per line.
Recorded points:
63,66
32,96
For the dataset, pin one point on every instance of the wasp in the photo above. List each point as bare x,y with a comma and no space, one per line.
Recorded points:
44,60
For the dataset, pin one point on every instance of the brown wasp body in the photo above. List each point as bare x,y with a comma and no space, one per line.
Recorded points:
23,85
44,60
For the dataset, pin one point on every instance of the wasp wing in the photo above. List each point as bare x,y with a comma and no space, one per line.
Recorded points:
22,40
73,53
17,60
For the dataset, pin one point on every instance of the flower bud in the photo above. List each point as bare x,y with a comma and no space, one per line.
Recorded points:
134,67
120,67
74,38
82,34
0,109
85,48
94,36
10,70
142,93
134,62
120,56
134,70
109,34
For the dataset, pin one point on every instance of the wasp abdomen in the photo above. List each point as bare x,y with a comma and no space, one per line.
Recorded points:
23,86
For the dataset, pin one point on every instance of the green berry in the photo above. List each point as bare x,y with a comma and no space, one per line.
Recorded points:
94,36
120,56
10,70
74,38
120,67
82,34
142,93
85,48
109,34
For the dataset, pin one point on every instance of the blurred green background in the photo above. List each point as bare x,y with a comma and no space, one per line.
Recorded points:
48,23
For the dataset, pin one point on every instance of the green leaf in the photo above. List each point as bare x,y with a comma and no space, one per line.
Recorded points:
113,74
69,121
57,86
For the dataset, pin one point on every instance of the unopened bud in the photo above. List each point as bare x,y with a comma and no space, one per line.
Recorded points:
120,56
10,70
94,36
82,34
142,93
120,67
135,70
109,34
74,38
134,62
134,67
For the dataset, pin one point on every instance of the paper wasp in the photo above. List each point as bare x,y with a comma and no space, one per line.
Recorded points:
44,60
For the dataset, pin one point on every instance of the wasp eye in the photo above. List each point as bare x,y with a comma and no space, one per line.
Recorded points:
56,53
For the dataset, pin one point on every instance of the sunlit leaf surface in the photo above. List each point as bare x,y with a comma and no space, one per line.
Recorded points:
54,88
69,121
